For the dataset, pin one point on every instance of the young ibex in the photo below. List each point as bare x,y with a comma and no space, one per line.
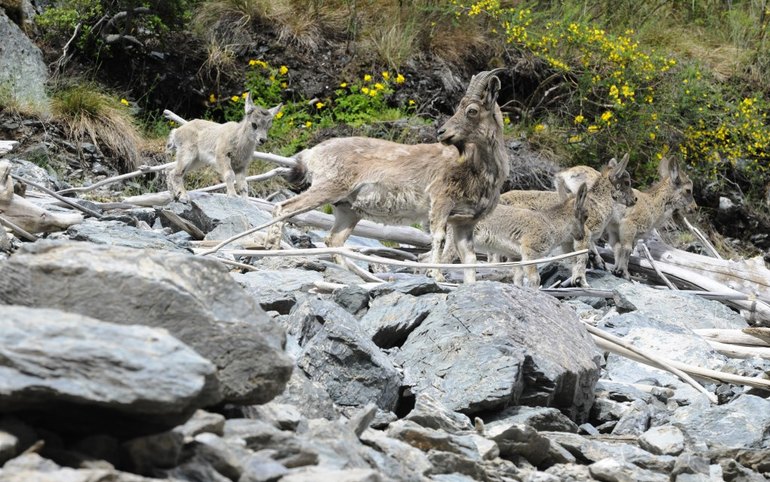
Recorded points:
455,182
653,209
228,147
606,190
526,234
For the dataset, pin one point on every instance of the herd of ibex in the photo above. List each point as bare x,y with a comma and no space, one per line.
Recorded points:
454,185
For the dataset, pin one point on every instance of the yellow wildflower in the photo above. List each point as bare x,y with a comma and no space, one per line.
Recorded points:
606,116
367,78
244,95
400,79
372,93
235,98
344,85
258,63
308,124
386,75
283,70
279,114
539,128
574,139
652,136
379,86
592,129
319,105
579,119
412,102
124,102
284,85
365,90
212,98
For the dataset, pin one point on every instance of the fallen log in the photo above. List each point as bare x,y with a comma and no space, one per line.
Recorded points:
740,351
111,180
748,276
25,217
754,310
734,337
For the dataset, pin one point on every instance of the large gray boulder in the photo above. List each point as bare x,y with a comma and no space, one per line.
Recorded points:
491,345
81,373
22,69
193,297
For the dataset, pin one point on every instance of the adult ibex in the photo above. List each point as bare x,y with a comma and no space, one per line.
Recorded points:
228,147
455,182
654,208
607,190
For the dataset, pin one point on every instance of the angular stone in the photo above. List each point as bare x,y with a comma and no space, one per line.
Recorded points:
308,397
431,413
414,285
453,463
8,446
99,374
116,233
635,421
277,290
595,450
520,440
569,472
223,455
320,474
348,365
741,423
539,418
202,422
280,415
663,440
259,468
193,297
23,71
427,439
393,316
412,458
157,451
612,470
353,298
491,345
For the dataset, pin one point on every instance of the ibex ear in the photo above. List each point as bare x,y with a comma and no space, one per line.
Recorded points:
673,170
612,163
275,110
249,104
580,199
493,90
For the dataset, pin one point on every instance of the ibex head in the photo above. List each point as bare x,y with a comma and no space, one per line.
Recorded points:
621,182
478,117
683,199
259,118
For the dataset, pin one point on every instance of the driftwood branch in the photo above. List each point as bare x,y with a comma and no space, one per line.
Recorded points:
111,180
703,239
63,199
354,254
20,232
651,359
745,337
275,158
647,255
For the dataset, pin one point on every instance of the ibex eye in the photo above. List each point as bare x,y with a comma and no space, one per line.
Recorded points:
473,112
254,125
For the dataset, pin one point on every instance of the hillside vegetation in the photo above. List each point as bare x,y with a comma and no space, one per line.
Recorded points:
589,80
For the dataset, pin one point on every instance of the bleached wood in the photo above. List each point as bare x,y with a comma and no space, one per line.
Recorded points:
740,351
651,358
63,199
733,337
7,146
703,239
111,180
20,232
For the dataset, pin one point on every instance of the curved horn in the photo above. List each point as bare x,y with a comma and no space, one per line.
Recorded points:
479,82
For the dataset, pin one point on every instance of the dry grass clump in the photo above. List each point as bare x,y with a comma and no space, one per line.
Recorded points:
90,115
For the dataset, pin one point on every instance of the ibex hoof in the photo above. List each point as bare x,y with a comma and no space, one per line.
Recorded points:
436,275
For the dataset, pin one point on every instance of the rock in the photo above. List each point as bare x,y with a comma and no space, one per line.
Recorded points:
742,423
431,413
539,418
23,72
733,471
259,468
361,420
391,317
491,345
611,470
452,463
193,469
193,297
224,456
33,172
347,364
689,463
276,290
413,459
157,451
595,450
353,298
673,307
99,447
281,416
519,440
202,422
634,421
256,434
427,439
116,233
569,472
663,440
414,285
9,444
320,474
99,374
308,397
32,462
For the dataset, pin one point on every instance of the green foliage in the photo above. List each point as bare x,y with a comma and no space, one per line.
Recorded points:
363,101
603,92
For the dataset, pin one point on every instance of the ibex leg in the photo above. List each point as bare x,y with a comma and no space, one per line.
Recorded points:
463,240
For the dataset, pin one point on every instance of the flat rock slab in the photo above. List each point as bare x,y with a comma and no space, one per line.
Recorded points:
85,369
193,297
742,423
491,345
116,233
